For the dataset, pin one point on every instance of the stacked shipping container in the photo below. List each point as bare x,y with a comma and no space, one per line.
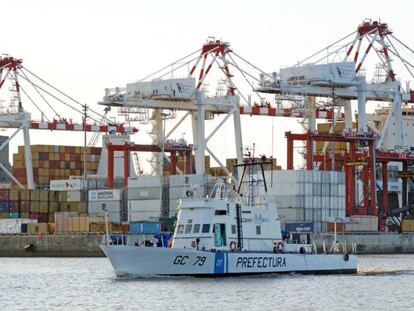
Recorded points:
55,162
317,196
144,198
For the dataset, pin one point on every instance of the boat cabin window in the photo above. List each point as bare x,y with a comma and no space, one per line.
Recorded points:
188,228
221,212
180,229
258,230
206,228
233,229
220,238
196,228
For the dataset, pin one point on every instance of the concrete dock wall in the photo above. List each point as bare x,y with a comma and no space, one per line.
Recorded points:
51,246
88,245
372,243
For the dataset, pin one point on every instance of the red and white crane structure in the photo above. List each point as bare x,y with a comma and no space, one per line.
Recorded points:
317,76
157,92
12,115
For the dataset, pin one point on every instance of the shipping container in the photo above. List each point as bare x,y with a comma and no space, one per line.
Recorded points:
105,195
144,193
114,209
37,228
62,221
407,225
362,224
145,227
142,210
145,182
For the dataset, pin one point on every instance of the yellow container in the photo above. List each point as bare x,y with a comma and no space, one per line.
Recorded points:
40,228
408,225
52,227
63,196
34,195
43,207
53,196
53,207
19,164
14,194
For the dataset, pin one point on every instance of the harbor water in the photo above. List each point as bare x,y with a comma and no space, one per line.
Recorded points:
383,283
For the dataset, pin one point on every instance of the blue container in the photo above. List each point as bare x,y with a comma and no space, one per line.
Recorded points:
24,228
42,156
4,206
145,227
14,215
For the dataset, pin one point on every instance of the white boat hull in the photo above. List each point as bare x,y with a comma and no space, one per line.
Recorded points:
151,261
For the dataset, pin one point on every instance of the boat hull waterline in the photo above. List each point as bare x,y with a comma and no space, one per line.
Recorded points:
157,261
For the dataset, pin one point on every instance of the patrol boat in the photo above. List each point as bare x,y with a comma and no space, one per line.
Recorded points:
227,234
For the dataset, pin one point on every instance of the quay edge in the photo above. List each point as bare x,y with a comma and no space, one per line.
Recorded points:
82,245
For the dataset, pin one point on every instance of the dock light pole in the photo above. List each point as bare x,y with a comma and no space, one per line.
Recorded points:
85,115
164,116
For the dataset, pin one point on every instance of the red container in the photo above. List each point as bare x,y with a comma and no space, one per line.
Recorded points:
340,227
19,172
34,216
43,217
25,206
14,206
4,194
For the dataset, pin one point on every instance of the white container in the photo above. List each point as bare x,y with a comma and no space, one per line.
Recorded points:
74,196
66,184
114,209
286,201
325,177
105,195
325,190
10,226
144,182
362,224
308,201
317,215
140,210
290,214
189,180
144,193
317,204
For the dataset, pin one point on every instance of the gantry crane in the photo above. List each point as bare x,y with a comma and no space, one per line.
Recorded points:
159,93
14,115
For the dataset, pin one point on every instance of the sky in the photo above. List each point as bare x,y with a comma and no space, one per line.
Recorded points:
83,46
